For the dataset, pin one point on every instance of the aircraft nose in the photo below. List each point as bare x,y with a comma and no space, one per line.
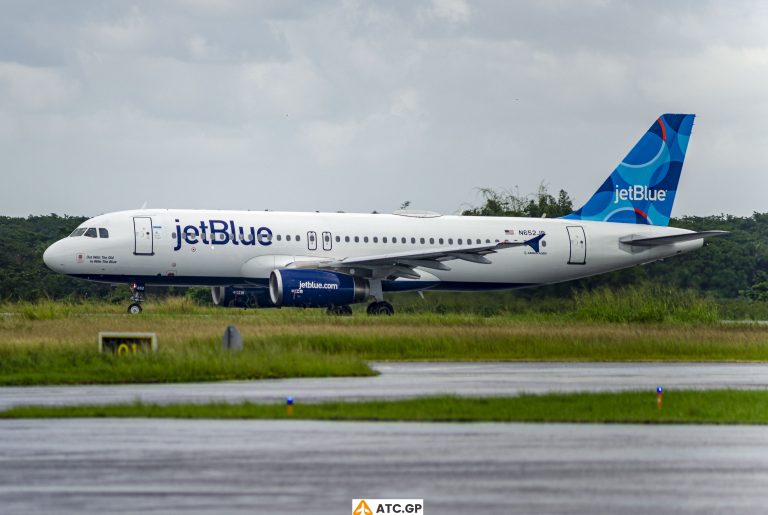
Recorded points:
52,257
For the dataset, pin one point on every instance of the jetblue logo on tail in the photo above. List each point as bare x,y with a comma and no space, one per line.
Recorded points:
641,190
638,192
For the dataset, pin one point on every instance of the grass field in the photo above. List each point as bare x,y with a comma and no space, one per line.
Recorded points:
683,407
53,343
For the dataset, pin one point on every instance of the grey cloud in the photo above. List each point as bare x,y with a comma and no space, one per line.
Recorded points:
363,105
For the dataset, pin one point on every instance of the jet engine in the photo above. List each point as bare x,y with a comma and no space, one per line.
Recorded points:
316,288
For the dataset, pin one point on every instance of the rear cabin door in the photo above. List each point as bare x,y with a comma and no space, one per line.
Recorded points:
143,241
312,240
578,239
327,243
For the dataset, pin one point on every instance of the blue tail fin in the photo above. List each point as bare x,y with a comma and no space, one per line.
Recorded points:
641,190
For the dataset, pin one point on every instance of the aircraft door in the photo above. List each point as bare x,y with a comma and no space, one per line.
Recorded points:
578,255
312,240
143,243
327,243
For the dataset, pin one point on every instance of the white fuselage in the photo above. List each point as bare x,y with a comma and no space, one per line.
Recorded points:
200,247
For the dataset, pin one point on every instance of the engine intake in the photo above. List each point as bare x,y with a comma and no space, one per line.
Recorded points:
316,288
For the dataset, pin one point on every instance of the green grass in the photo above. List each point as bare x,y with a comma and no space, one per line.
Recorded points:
52,343
644,304
198,362
514,340
679,407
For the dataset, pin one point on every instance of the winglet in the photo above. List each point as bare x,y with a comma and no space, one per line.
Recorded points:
534,242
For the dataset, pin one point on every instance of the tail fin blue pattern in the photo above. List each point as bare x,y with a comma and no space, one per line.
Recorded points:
641,190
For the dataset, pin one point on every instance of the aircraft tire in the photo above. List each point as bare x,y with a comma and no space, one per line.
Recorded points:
381,308
339,310
134,309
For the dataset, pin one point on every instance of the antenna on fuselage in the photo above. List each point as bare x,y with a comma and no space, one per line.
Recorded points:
144,205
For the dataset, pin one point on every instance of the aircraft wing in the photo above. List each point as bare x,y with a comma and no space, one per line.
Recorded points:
655,241
402,264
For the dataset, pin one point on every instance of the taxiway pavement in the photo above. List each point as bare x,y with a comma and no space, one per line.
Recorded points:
282,467
403,380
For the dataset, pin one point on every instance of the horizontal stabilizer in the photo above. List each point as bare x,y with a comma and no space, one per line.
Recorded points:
655,241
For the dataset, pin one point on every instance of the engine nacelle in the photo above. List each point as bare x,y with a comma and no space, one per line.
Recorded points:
228,296
316,288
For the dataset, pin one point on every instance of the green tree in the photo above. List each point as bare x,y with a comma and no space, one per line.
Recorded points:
512,203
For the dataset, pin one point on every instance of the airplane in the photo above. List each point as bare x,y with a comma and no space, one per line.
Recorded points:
333,260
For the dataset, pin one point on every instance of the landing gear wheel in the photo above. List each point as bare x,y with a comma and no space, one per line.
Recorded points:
339,310
137,296
381,308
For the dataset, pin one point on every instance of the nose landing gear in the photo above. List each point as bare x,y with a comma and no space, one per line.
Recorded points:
137,297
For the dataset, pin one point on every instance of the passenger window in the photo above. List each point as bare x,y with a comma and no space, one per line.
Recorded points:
440,241
338,239
375,239
278,238
478,241
384,239
287,237
103,233
421,240
487,241
450,241
460,240
357,239
402,240
298,238
90,232
77,232
365,239
413,240
431,241
346,239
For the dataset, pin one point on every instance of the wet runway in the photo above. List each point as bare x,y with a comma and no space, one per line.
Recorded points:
281,467
400,380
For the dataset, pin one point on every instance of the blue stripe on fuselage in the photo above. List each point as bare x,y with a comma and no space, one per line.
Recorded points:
389,286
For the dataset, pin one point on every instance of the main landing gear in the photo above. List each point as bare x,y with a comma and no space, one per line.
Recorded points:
137,297
339,310
380,308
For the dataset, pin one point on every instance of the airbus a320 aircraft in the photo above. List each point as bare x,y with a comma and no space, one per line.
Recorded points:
333,260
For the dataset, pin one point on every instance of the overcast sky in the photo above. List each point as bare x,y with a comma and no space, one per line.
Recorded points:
360,106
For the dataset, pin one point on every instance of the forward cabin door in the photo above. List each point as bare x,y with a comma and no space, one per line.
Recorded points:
312,240
144,244
578,239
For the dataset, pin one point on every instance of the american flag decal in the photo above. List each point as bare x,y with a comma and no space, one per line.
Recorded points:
509,231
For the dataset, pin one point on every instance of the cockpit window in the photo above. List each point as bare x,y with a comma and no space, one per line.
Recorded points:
90,232
77,232
103,233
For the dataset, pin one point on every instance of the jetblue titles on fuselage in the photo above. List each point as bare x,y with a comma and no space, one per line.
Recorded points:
221,232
